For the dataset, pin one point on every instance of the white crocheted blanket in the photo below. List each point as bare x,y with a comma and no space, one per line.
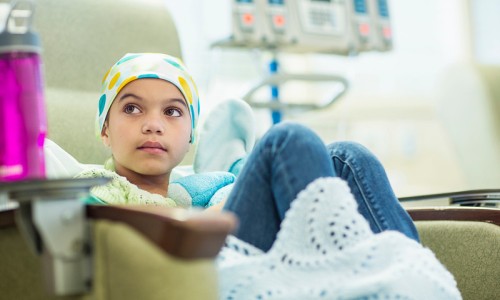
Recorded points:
326,250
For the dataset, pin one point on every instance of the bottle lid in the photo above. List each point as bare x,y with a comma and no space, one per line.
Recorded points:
18,34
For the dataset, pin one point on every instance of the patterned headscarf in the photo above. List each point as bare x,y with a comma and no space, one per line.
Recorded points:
147,65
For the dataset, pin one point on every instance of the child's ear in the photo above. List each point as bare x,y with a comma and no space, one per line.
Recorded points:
105,135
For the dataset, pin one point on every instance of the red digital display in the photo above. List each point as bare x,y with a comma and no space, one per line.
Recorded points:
387,32
247,19
364,29
279,20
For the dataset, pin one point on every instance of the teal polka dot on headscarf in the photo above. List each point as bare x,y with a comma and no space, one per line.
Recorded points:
147,76
102,103
135,66
173,63
127,58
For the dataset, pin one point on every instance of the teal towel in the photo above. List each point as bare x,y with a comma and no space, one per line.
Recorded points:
91,200
200,188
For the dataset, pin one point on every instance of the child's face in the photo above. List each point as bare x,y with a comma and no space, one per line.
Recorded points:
148,128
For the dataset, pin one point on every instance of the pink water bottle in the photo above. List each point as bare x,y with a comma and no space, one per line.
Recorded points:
23,121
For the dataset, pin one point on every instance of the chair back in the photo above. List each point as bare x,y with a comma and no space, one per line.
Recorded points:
81,40
467,241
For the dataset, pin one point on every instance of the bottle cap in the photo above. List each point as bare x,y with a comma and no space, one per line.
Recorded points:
18,34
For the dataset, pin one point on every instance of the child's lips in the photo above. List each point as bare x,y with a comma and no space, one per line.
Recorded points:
152,147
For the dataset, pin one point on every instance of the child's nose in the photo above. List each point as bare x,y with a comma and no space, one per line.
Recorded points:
153,124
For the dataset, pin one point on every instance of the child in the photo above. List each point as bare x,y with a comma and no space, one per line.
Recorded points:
147,116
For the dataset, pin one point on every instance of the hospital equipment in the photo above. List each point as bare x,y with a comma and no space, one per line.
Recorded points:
23,123
339,27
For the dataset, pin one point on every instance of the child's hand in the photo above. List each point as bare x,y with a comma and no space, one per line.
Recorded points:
216,207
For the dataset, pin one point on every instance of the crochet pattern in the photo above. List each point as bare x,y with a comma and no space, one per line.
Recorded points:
326,250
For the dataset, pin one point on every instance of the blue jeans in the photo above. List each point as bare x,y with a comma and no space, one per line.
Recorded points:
290,156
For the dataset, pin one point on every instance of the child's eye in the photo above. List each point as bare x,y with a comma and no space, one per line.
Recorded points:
173,112
130,109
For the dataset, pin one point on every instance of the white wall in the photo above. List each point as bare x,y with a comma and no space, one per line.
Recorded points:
486,20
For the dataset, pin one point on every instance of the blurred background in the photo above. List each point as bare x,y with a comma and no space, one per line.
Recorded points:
426,108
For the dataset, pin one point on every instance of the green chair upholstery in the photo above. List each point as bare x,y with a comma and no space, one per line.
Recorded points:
138,253
467,242
155,275
21,276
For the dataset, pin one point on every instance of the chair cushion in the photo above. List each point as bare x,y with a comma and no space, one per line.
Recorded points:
470,251
119,249
71,115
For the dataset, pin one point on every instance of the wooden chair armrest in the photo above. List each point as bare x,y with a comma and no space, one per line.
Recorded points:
487,197
489,215
179,232
7,217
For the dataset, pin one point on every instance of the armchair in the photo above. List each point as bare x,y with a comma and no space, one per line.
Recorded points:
137,252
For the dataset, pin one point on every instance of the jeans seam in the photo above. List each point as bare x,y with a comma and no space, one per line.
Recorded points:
273,149
355,175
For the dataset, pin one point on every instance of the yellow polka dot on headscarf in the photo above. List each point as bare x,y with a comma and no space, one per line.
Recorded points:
124,83
194,85
113,81
185,87
105,76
